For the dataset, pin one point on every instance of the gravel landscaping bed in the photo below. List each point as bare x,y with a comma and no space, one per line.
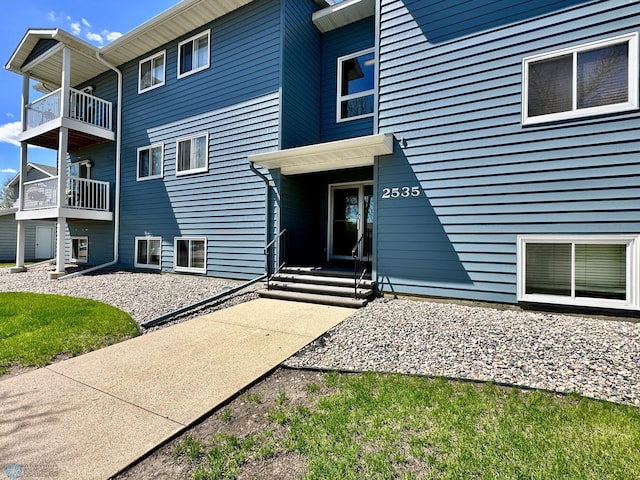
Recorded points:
598,358
144,296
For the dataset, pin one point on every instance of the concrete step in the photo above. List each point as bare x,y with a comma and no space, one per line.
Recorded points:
314,298
321,289
323,271
336,281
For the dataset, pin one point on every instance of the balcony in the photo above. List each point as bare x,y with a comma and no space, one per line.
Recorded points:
84,199
88,118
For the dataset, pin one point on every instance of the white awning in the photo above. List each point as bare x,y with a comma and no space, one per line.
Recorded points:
343,13
321,157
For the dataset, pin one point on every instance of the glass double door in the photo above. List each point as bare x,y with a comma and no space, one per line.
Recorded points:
351,223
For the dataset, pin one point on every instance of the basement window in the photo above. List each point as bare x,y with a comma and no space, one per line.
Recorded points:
581,271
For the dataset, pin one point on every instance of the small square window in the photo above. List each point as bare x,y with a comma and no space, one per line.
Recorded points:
192,154
151,73
80,249
592,79
190,255
193,54
356,85
148,252
150,162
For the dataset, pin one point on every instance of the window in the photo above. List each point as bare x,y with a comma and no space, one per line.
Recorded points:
192,154
193,54
81,169
190,255
148,252
150,162
80,249
592,79
586,271
356,91
151,72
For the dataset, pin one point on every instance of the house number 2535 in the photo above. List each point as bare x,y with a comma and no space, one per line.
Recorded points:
396,192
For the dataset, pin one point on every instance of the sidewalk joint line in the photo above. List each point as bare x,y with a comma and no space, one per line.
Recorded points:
115,396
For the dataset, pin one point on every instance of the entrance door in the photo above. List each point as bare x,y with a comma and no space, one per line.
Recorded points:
351,220
44,242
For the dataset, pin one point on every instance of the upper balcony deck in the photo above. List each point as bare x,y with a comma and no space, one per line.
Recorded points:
89,120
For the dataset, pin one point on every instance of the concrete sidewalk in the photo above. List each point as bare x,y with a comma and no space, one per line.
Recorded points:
91,416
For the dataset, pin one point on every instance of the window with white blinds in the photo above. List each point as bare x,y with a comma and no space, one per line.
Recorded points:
581,271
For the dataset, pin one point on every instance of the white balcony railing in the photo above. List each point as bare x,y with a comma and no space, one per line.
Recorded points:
82,107
81,193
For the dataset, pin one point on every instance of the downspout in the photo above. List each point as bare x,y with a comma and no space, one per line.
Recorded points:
116,208
266,211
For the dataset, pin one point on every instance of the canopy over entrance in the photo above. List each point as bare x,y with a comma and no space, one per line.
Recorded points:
322,157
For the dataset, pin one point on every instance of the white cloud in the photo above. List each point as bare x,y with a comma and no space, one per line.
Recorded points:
52,16
9,133
76,29
95,37
86,22
10,115
8,170
111,36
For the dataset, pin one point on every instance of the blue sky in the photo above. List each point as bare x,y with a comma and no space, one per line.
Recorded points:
95,22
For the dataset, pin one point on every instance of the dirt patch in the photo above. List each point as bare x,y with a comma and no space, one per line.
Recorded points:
245,416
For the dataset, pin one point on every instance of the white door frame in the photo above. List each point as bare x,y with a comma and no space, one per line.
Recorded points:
360,224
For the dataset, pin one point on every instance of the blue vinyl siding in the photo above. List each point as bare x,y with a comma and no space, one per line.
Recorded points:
42,47
337,43
237,102
450,87
301,75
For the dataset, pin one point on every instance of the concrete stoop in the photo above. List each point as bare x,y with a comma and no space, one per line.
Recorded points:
322,286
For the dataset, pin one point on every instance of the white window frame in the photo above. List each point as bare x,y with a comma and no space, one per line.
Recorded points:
631,104
206,162
147,265
79,238
150,148
632,243
175,255
151,58
206,33
341,98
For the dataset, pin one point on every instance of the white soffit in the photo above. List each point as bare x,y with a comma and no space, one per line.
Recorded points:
178,20
343,13
321,157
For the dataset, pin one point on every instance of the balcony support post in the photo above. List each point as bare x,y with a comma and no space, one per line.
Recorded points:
61,228
20,248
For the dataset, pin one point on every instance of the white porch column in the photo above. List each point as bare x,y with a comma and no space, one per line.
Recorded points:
63,145
20,235
20,248
61,227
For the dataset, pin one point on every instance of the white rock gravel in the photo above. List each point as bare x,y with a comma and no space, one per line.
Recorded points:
144,296
598,358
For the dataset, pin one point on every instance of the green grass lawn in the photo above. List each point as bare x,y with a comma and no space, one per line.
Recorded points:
36,328
375,426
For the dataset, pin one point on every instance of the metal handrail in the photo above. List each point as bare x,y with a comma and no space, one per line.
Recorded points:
267,250
357,264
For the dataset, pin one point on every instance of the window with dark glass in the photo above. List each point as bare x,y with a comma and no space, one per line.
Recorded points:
151,72
587,80
356,85
193,54
150,162
148,252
